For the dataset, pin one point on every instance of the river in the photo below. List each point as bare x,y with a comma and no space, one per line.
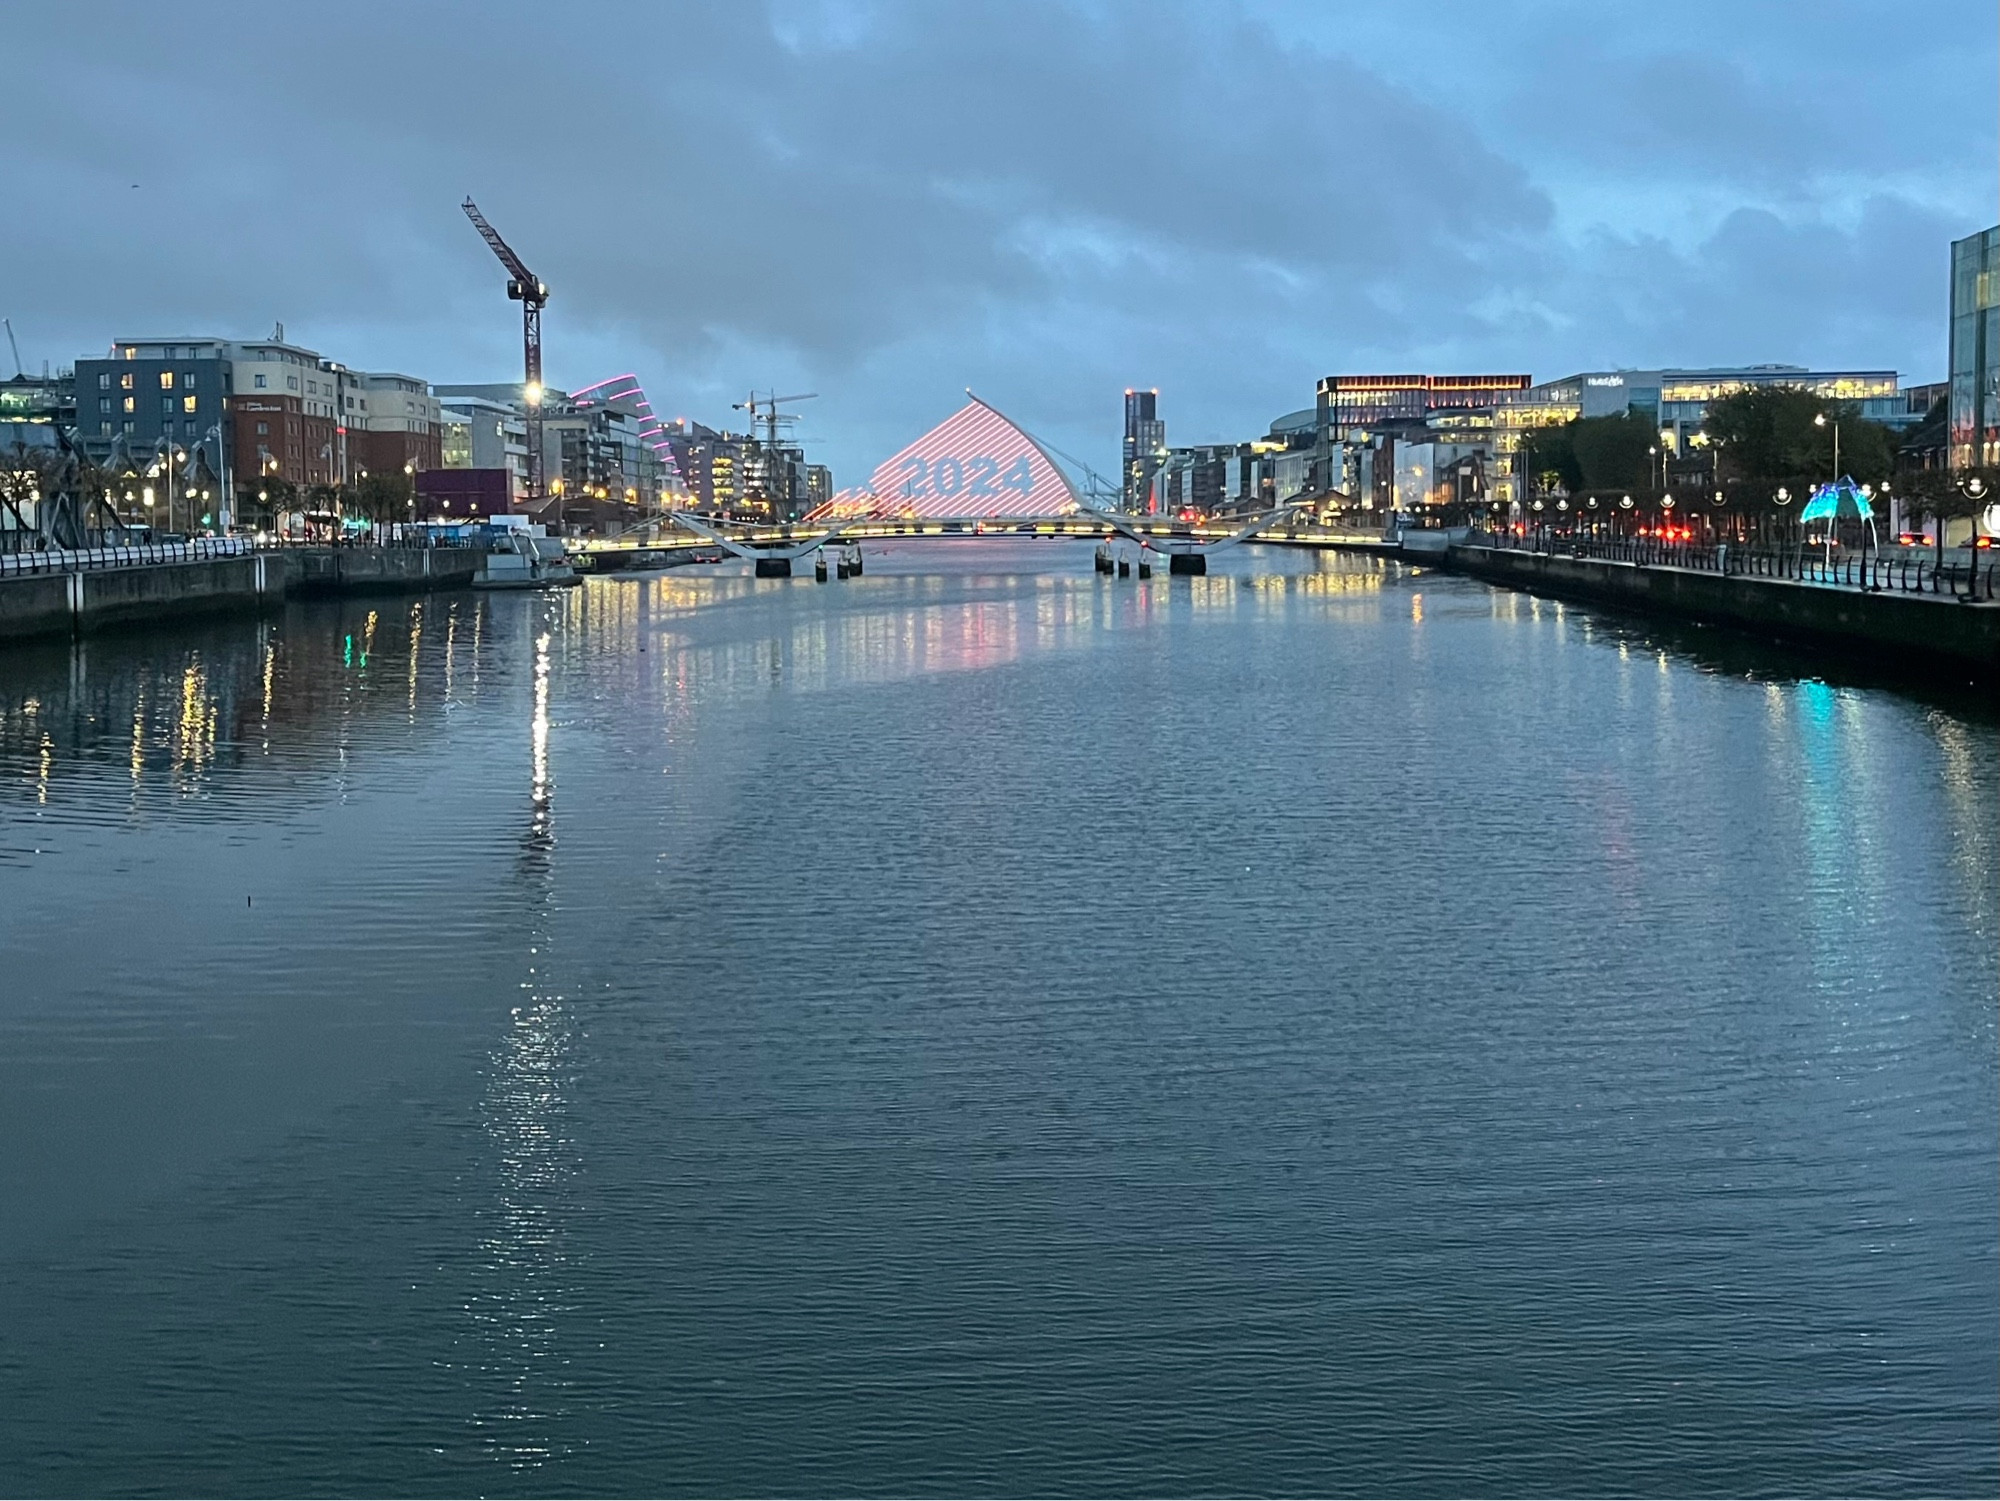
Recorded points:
1321,1028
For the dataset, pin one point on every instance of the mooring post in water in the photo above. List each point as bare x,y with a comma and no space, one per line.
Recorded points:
819,567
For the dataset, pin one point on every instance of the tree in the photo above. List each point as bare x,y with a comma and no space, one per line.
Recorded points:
1612,453
276,496
1775,435
383,497
1949,495
1548,458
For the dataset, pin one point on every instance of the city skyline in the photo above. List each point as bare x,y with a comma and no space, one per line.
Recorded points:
978,202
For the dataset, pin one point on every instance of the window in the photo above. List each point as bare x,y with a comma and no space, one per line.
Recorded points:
187,404
187,379
191,430
103,429
312,387
263,429
125,381
104,381
166,380
129,424
258,381
128,407
166,405
292,382
104,405
131,353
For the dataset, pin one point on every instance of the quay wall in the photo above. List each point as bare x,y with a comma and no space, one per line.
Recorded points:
93,599
1910,628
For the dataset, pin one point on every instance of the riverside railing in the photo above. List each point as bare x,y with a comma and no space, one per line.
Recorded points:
198,549
1871,572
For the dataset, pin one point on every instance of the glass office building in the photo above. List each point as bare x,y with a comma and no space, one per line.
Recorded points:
1975,343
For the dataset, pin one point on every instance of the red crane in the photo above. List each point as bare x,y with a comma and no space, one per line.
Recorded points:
531,292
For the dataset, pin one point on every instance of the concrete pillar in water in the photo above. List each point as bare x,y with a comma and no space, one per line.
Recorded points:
774,568
1187,562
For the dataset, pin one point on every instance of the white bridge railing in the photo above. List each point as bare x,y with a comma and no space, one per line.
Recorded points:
78,559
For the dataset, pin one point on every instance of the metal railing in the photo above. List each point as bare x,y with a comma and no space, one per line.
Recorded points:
1868,572
203,549
135,555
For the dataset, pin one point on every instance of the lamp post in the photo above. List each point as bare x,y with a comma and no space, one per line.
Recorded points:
1821,420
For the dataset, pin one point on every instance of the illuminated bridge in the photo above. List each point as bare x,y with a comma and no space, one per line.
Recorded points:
976,474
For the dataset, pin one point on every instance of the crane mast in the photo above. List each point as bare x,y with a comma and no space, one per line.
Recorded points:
531,292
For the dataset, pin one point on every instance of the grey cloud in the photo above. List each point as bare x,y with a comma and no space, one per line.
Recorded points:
1047,201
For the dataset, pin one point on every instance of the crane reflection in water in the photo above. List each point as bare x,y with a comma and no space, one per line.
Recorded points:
522,1292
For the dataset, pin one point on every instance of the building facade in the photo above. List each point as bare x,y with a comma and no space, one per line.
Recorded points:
1676,402
1974,414
478,433
1145,448
246,412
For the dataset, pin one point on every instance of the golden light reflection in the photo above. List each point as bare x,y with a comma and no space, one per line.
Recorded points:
44,766
138,740
416,640
194,729
270,678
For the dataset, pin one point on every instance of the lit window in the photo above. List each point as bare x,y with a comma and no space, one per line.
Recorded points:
128,406
125,381
187,404
166,380
131,353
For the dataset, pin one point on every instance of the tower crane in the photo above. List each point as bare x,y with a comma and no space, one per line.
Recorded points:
771,418
524,287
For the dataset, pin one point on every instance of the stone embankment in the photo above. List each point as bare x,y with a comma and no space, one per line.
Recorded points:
94,598
1932,632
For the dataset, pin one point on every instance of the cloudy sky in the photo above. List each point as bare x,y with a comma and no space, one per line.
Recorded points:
888,202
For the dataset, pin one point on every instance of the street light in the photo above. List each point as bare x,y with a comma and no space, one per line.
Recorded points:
1820,420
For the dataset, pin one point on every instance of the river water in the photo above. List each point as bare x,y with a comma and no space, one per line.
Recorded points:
1319,1028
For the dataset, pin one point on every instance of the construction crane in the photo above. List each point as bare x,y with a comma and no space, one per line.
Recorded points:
771,418
531,292
18,371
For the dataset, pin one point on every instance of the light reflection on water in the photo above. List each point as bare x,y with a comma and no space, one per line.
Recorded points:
986,1028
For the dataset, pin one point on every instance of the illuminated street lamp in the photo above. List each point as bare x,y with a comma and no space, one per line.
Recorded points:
1820,420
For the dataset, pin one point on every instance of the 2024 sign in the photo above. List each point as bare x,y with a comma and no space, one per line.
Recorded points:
976,477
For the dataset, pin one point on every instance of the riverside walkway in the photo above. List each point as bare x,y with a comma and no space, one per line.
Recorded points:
1903,607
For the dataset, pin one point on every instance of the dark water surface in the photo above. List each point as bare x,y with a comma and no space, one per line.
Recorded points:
983,1028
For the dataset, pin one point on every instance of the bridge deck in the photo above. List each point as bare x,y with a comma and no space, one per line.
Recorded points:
1014,527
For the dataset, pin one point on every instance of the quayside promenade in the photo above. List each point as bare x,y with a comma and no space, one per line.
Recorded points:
84,589
1937,618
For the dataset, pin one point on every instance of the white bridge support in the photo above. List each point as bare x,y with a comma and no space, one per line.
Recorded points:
771,562
1184,554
